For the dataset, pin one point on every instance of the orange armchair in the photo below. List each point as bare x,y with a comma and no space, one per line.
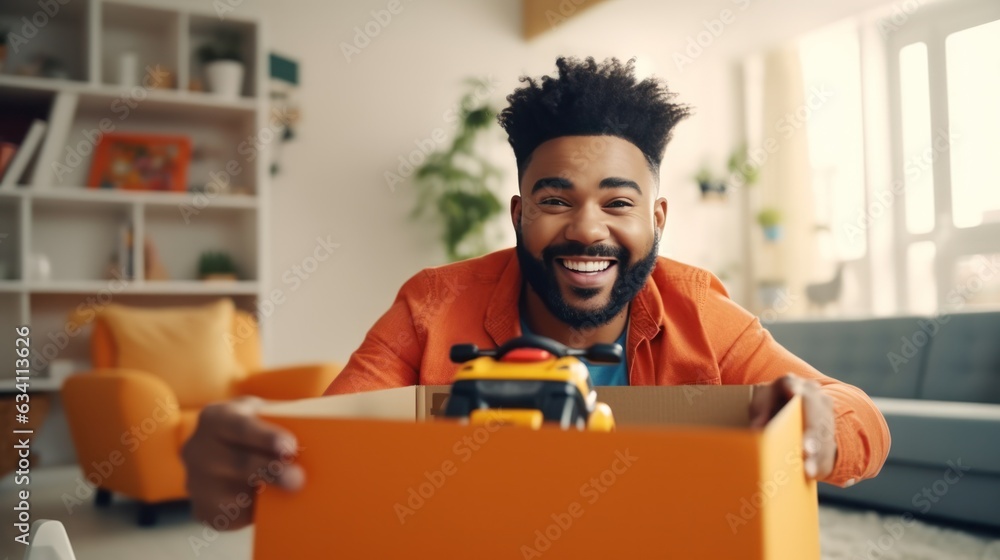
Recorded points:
128,428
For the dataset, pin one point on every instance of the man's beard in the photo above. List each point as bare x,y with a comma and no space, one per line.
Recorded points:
541,276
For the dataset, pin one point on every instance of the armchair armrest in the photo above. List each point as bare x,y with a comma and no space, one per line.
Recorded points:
124,425
289,383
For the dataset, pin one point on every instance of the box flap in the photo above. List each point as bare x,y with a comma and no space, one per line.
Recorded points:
706,405
388,404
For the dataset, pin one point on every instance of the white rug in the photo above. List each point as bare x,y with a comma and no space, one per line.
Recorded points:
857,535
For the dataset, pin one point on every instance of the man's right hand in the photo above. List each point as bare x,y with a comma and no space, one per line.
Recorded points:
230,457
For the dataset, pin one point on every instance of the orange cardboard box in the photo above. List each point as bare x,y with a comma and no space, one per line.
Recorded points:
682,477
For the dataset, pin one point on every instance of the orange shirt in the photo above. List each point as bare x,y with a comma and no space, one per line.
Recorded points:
683,330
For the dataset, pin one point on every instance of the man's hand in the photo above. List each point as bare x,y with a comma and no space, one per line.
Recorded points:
818,442
231,454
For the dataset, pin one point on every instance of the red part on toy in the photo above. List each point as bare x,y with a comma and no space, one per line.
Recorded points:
526,355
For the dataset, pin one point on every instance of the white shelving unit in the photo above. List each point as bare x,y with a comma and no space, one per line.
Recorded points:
78,228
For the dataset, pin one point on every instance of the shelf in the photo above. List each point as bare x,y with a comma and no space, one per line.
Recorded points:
11,286
166,287
57,195
37,383
107,94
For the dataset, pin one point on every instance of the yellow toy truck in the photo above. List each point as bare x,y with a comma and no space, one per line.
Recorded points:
528,381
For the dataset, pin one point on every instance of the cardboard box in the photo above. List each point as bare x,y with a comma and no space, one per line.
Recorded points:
681,477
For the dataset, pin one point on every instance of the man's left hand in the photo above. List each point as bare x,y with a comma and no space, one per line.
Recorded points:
818,442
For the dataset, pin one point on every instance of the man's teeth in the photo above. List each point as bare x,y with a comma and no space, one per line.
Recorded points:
586,266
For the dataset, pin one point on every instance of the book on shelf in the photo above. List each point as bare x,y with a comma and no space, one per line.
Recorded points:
7,150
19,164
51,168
123,258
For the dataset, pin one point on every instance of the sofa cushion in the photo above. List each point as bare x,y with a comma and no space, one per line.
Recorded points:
188,347
964,359
936,432
857,352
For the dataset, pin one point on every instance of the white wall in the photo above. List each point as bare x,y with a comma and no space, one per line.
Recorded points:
360,116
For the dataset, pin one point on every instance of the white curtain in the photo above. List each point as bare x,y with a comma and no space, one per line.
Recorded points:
785,181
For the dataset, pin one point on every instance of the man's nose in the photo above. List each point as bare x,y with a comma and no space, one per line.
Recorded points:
587,227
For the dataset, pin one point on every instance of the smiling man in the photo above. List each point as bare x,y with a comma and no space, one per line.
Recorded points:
588,220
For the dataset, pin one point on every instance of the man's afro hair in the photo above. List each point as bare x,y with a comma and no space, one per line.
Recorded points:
589,99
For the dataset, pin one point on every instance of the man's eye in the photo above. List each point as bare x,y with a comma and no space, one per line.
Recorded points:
554,202
620,204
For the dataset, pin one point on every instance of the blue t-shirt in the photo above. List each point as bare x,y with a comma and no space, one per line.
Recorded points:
605,374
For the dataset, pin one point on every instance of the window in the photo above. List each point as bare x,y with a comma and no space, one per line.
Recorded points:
918,150
973,60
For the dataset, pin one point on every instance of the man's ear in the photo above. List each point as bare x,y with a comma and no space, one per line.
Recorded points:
515,211
660,213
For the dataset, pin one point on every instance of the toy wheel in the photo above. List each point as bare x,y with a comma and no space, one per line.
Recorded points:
601,420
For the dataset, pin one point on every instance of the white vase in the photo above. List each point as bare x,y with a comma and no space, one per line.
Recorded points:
225,78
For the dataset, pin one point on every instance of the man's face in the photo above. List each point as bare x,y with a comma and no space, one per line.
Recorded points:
588,225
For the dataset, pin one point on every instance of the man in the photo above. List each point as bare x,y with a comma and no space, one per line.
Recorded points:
588,221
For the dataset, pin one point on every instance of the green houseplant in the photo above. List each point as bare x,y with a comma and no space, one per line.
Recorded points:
455,184
216,266
770,219
222,59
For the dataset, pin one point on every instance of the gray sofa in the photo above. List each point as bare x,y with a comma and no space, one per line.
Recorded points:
937,382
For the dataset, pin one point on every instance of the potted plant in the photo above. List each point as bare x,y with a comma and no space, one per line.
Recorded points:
709,186
222,59
742,170
770,220
455,183
216,266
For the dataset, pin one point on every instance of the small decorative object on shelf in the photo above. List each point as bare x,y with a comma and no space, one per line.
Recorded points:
216,266
39,267
141,162
154,267
284,102
770,219
222,60
711,187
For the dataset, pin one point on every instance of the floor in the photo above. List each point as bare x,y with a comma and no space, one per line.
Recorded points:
111,534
